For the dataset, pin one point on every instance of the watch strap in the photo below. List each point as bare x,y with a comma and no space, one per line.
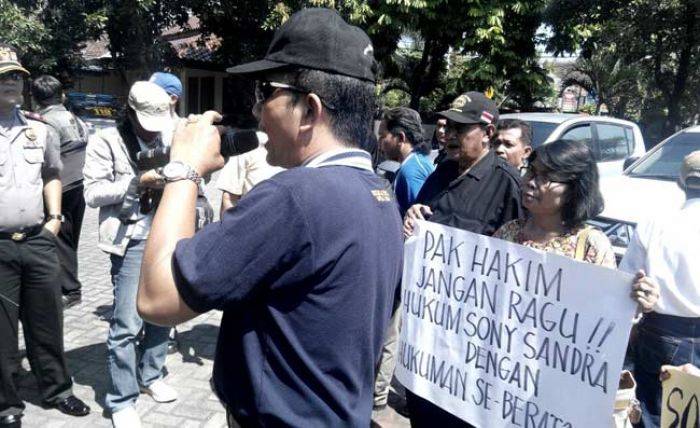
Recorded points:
190,175
59,217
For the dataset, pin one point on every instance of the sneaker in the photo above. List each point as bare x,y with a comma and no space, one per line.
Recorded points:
126,418
160,392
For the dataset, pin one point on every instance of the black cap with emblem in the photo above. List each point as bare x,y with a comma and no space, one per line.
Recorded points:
472,107
318,39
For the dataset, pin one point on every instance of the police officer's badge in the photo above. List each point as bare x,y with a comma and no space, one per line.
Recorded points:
30,134
459,102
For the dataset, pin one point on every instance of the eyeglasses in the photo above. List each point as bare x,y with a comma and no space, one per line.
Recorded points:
13,75
264,90
539,178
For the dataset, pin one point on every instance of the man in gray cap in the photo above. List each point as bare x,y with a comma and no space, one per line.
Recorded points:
47,94
307,266
30,164
667,251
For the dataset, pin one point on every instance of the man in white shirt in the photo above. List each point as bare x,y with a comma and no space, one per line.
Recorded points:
667,249
241,173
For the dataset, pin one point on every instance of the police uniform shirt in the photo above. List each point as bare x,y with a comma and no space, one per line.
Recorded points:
306,269
73,137
480,201
29,156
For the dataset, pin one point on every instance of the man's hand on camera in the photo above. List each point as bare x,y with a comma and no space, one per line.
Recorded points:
197,143
151,180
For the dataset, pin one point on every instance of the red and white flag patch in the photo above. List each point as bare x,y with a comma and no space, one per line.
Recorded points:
486,117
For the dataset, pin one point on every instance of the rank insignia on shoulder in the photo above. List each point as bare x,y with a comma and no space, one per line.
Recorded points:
30,134
381,195
33,116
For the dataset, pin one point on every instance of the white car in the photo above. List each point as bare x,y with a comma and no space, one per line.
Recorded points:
648,188
614,141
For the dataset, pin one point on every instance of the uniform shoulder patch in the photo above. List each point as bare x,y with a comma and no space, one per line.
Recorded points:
34,116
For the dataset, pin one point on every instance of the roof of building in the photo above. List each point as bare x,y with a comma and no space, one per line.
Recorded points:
188,44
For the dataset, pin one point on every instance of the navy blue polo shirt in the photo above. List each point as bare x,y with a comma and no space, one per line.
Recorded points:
305,268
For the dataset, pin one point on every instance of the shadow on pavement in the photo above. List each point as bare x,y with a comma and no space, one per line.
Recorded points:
198,343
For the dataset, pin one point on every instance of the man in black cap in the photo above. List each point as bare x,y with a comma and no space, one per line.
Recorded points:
307,266
478,191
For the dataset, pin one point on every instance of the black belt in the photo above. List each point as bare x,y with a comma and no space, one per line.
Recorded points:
22,234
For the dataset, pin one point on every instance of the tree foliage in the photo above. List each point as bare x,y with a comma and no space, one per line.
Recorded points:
659,37
50,33
497,36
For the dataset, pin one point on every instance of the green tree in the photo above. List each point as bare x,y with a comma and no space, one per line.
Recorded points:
664,31
497,35
135,27
615,83
49,34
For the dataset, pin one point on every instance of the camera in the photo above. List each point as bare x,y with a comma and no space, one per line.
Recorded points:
233,142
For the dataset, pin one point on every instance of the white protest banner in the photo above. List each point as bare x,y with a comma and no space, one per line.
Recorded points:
502,335
680,405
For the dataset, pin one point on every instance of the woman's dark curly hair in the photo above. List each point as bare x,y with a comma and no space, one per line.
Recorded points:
572,162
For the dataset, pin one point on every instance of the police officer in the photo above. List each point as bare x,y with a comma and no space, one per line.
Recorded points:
307,266
29,180
47,94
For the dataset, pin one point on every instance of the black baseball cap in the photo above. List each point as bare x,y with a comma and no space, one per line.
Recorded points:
472,107
318,39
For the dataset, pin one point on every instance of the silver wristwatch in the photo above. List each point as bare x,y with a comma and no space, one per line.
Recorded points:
176,171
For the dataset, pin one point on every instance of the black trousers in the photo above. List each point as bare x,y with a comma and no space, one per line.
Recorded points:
73,208
28,291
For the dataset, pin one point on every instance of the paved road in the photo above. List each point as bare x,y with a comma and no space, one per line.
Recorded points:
85,332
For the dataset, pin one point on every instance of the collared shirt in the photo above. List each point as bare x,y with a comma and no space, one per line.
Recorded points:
410,177
668,250
242,172
305,269
480,201
29,155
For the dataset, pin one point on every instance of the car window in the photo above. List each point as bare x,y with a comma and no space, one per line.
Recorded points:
613,142
581,133
540,132
665,162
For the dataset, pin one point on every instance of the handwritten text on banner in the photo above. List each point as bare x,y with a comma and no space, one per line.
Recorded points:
503,335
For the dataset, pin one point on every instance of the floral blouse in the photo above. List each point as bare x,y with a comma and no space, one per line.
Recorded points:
599,250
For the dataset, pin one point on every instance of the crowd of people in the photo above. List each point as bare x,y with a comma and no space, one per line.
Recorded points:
306,260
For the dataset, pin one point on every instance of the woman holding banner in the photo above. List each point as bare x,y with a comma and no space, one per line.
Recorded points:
560,193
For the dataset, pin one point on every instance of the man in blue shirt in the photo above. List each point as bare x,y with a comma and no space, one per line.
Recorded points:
401,140
307,266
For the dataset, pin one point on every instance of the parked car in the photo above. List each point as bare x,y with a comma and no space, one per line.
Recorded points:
646,189
96,110
613,141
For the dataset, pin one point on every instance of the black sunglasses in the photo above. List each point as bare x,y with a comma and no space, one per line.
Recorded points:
264,90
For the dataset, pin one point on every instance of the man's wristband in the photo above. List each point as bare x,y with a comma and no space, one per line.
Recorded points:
59,217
